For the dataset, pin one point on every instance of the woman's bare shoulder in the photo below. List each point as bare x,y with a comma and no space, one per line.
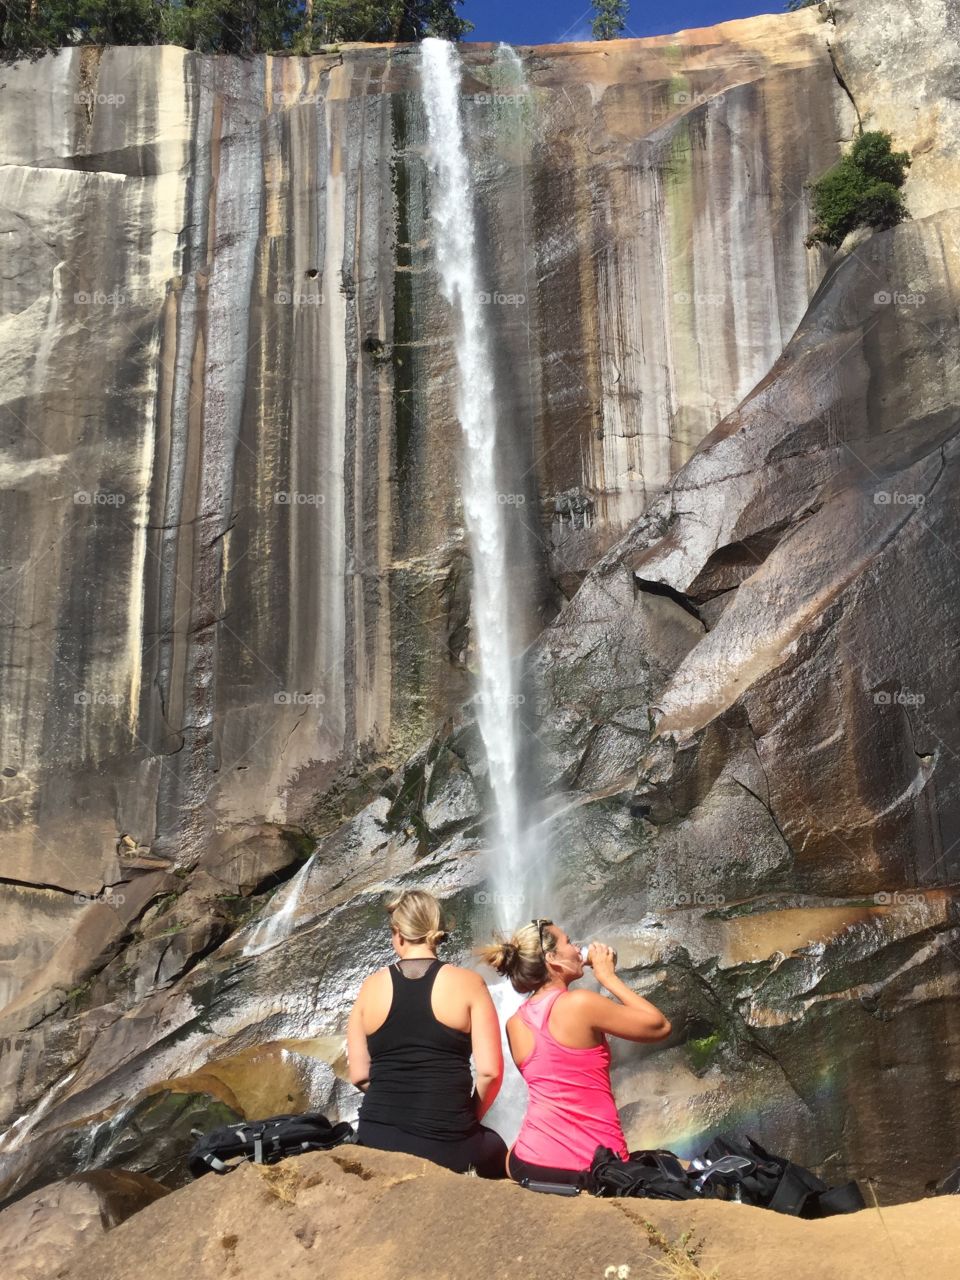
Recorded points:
465,978
378,978
582,1000
577,1006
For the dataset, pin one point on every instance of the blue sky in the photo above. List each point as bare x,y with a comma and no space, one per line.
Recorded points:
548,21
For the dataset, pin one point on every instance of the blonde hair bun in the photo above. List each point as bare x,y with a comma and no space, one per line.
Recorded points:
417,917
519,958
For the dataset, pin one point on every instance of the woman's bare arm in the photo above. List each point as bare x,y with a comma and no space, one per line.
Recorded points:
485,1044
358,1055
634,1018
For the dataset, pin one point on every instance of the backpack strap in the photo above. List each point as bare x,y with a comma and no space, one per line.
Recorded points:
845,1199
654,1174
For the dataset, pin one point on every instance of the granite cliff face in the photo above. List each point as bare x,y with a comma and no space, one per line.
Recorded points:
236,589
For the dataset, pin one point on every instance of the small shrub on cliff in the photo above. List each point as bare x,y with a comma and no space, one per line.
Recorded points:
861,190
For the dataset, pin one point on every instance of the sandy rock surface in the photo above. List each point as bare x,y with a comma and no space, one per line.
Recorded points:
351,1212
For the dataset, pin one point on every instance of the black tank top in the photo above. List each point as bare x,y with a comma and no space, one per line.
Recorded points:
420,1079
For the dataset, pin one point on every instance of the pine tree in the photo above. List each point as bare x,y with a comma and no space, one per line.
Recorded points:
241,27
441,20
335,21
611,19
112,21
332,21
25,28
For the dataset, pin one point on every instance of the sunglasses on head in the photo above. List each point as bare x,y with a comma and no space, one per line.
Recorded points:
539,925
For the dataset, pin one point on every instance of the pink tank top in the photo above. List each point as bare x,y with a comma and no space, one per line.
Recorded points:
571,1110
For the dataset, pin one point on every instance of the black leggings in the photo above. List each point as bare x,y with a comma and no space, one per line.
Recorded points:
520,1169
482,1149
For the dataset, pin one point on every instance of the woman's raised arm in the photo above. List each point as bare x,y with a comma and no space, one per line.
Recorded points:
634,1018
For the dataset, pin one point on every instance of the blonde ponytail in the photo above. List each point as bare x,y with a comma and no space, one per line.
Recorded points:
521,958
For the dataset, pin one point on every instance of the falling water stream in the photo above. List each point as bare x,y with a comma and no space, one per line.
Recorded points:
455,238
278,925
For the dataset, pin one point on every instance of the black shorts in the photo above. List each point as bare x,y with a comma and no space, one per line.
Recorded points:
482,1149
521,1170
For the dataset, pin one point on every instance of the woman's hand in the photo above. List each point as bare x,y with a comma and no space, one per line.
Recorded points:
601,961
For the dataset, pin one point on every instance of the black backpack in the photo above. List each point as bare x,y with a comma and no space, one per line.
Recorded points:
656,1175
731,1168
950,1186
265,1141
773,1182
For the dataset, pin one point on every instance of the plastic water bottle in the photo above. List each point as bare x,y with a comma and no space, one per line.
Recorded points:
585,954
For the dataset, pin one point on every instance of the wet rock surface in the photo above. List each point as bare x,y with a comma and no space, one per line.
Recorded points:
259,572
744,717
44,1228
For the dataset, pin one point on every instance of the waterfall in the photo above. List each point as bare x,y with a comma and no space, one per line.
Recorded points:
497,697
12,1139
278,925
455,238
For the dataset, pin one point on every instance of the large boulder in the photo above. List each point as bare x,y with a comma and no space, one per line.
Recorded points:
43,1229
351,1209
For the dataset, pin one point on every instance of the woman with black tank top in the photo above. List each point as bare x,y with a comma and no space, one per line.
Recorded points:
410,1036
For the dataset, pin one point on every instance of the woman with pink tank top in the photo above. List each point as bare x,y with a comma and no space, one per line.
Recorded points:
558,1039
